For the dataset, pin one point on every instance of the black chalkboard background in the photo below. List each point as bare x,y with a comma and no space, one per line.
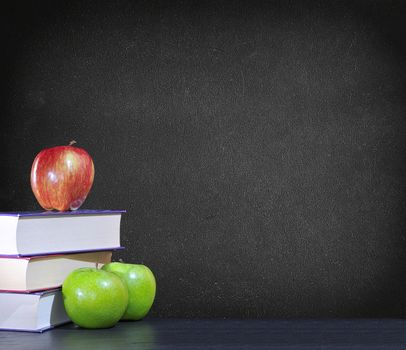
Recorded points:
258,147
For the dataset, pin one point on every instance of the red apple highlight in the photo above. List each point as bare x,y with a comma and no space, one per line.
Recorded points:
61,177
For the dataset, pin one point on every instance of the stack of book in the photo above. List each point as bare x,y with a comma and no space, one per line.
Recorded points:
37,252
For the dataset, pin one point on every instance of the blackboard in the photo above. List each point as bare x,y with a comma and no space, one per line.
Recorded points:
257,146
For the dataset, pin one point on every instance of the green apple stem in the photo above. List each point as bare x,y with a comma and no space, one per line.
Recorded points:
72,142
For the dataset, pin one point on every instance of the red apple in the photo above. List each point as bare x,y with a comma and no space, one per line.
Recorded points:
61,177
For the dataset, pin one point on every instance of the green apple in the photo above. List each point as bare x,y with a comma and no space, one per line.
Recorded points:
141,286
94,298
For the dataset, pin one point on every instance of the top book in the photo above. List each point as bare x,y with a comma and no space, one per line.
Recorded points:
50,232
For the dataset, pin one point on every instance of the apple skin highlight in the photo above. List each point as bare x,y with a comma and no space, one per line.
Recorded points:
61,177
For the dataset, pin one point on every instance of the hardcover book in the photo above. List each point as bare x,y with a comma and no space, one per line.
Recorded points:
30,274
35,312
51,232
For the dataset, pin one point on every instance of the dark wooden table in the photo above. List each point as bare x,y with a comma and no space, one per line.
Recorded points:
219,334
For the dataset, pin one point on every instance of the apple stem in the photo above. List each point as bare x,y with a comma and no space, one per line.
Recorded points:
72,142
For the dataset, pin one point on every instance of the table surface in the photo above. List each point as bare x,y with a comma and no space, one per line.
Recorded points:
151,334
